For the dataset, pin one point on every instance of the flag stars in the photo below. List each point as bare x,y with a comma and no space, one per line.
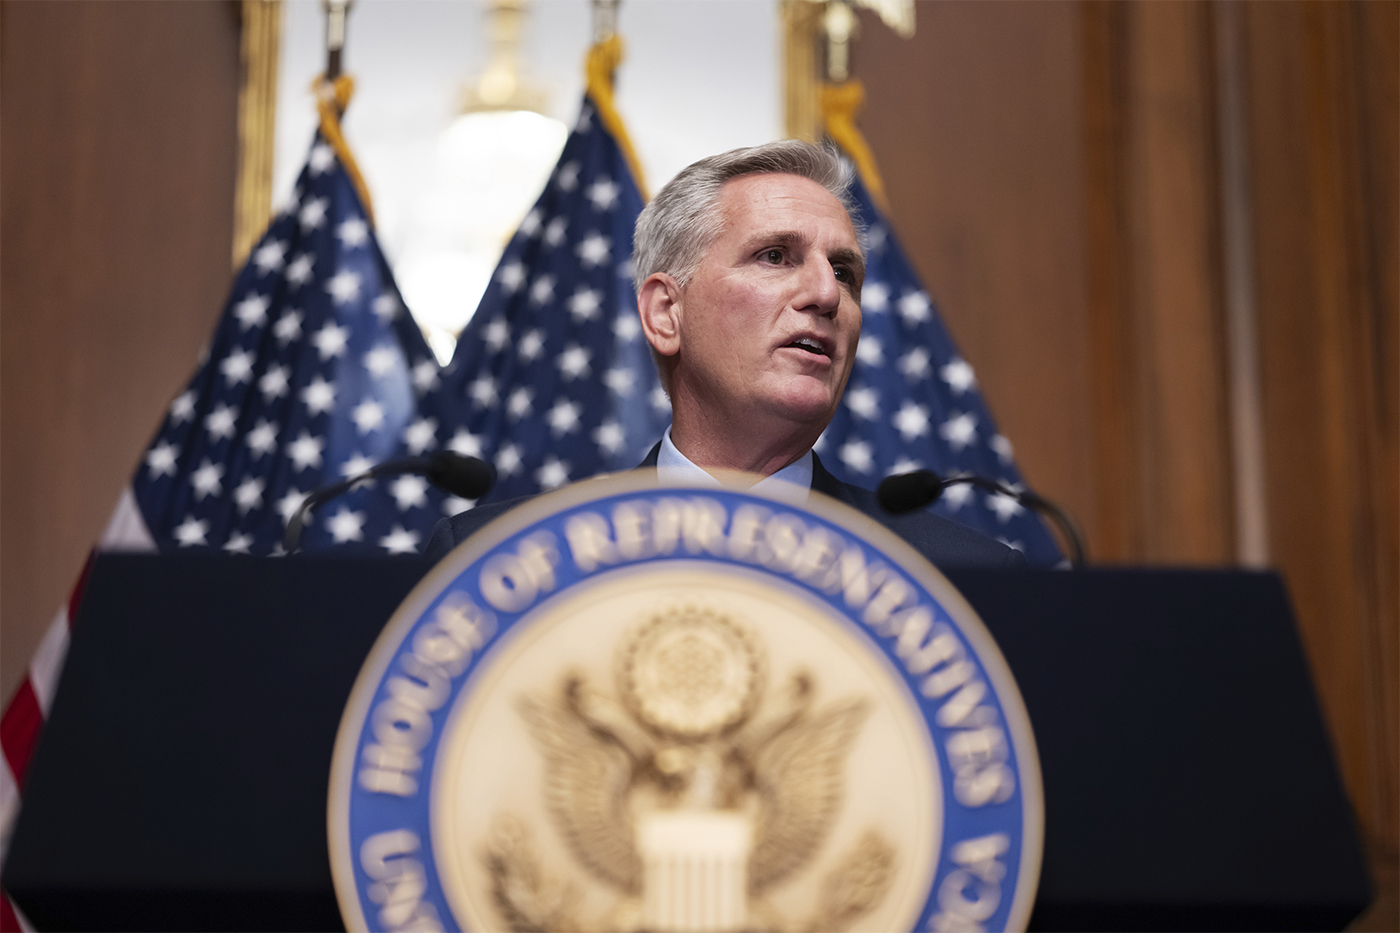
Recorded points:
319,396
313,214
207,480
1001,447
330,341
191,531
911,421
1006,507
627,327
554,231
914,308
508,460
322,158
421,435
287,506
356,465
346,526
955,497
182,409
305,451
512,276
380,361
530,226
465,443
959,431
594,250
584,303
857,455
864,401
353,232
609,437
343,287
299,272
237,368
870,352
915,364
573,362
496,335
959,376
385,307
239,543
552,473
451,505
603,193
274,383
248,495
568,174
660,401
262,440
483,391
563,418
368,416
400,541
287,328
220,423
542,292
425,375
161,459
270,256
875,297
520,402
409,492
531,345
620,380
252,311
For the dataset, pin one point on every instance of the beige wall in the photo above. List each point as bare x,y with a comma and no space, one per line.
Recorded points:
117,140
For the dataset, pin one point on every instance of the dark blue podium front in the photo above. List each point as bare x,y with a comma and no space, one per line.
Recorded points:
181,779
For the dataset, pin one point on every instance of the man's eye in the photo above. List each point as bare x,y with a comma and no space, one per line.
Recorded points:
774,256
843,275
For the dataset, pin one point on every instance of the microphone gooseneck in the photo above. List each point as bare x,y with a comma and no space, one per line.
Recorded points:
905,492
453,473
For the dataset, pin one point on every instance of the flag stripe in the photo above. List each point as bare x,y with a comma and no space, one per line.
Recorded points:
19,731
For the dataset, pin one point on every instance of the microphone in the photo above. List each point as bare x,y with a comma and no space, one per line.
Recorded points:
905,492
453,473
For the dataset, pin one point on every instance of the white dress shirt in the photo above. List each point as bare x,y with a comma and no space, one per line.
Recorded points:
792,483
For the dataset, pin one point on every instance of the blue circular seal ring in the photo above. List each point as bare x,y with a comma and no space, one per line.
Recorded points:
379,821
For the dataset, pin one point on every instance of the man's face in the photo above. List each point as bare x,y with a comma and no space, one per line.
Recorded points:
770,319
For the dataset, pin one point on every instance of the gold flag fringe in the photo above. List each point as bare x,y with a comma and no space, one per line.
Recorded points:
840,103
602,62
331,101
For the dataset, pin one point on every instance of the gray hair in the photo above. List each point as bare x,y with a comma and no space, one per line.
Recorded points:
679,224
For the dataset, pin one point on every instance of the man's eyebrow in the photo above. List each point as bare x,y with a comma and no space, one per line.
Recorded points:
851,258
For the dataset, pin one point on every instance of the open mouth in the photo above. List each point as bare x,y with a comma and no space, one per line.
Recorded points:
810,345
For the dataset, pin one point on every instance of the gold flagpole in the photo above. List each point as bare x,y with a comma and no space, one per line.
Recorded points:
257,117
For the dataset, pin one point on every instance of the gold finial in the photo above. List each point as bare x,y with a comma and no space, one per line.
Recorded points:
501,86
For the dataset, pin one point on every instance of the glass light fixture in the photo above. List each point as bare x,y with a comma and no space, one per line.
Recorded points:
492,162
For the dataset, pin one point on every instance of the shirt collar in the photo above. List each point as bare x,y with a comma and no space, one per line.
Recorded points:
792,483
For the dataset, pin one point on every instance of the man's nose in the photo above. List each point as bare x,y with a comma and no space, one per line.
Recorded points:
821,292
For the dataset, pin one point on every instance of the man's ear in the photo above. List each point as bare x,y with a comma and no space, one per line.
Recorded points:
659,304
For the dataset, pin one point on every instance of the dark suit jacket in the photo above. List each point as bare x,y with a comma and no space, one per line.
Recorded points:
943,543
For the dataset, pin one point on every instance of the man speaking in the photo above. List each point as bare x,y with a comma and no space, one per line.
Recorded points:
749,271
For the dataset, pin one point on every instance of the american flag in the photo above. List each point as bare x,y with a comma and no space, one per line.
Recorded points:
315,372
912,403
552,380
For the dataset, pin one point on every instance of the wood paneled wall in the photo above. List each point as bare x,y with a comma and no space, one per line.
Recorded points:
1055,172
118,142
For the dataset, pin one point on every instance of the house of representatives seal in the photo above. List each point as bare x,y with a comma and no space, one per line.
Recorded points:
624,706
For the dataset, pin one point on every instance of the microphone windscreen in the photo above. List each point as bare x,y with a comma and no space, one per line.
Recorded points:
905,492
460,475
